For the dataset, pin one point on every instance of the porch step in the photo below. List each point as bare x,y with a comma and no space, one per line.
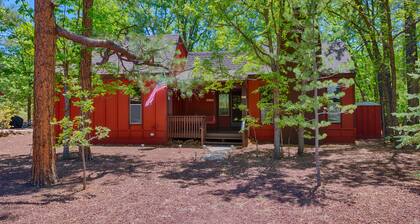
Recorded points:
223,138
223,143
230,135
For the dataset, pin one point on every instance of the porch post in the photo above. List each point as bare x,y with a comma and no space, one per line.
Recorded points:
244,101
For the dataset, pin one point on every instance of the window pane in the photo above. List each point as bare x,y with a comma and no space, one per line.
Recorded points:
334,112
264,114
135,113
223,104
334,115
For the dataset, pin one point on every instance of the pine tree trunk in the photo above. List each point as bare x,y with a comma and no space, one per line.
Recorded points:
277,130
316,104
301,130
66,148
392,66
316,126
413,86
388,69
43,153
301,141
381,83
86,63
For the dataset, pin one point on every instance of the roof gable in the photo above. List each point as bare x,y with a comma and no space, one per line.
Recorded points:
164,56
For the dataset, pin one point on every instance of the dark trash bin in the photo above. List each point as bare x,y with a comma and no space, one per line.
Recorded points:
16,122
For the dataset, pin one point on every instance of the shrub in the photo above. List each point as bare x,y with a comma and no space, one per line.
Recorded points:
6,114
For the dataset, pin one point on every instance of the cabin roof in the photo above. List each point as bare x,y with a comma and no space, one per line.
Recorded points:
335,60
164,56
221,58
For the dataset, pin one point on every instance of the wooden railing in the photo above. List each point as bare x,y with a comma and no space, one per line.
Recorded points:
187,127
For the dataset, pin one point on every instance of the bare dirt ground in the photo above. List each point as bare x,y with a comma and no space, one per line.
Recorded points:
362,183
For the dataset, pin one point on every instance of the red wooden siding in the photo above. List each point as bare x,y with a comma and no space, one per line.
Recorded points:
344,132
368,122
195,105
112,111
266,132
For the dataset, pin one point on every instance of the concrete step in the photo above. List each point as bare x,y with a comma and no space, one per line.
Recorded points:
232,136
226,143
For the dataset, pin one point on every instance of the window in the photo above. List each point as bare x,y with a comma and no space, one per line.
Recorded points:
334,112
224,104
135,110
264,116
265,105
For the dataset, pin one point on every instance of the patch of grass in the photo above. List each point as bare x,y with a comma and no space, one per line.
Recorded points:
416,174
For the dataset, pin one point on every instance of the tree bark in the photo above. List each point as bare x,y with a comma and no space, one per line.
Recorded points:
43,153
85,66
90,42
388,68
301,141
316,104
413,85
66,148
277,130
316,127
301,130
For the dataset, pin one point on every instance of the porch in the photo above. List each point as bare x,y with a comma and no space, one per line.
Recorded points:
214,118
195,127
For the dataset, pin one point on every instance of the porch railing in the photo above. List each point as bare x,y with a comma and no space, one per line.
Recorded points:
187,127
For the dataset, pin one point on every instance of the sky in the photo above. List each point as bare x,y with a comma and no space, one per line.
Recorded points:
13,2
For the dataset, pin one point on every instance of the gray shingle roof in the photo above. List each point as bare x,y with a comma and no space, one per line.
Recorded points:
165,56
335,60
221,61
215,59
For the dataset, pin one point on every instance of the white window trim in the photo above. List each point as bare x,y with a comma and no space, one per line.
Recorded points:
141,112
228,109
335,113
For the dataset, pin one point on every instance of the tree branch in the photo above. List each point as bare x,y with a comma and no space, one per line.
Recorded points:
90,42
405,29
110,46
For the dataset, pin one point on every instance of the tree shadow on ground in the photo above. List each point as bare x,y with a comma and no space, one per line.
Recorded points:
253,177
291,180
373,167
15,174
246,174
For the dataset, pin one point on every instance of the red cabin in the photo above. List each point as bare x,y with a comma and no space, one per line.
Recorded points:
214,117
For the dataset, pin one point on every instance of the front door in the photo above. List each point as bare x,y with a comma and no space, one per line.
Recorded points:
235,108
223,111
229,115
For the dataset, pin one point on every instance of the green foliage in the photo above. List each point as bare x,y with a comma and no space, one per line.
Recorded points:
189,18
343,19
310,77
6,113
266,102
77,131
16,58
409,133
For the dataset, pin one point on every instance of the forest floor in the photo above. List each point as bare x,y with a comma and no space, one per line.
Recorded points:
362,183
